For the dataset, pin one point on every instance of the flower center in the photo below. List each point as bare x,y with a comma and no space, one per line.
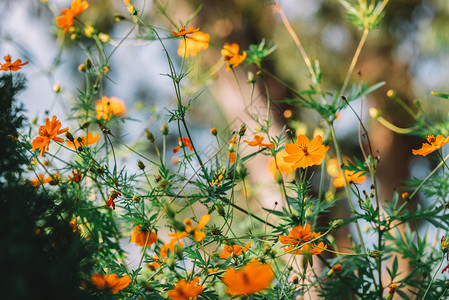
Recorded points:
245,278
43,131
304,149
430,138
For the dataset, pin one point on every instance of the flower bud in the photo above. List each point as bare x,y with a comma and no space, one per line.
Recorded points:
82,68
88,63
374,254
242,129
391,94
164,128
391,292
295,280
333,270
150,136
214,131
69,136
251,78
118,18
220,209
336,223
57,88
405,196
179,251
163,184
104,37
136,198
141,165
88,31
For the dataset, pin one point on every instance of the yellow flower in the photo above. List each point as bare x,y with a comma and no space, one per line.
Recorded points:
106,107
252,278
193,44
230,53
184,290
434,144
306,153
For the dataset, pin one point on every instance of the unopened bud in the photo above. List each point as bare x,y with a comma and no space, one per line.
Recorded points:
82,68
214,131
242,129
88,63
374,254
220,209
337,223
136,198
391,94
179,251
118,18
334,269
295,280
104,37
88,31
69,136
251,78
57,88
164,128
141,165
405,195
150,136
163,184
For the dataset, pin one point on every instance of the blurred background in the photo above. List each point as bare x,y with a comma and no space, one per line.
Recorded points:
409,52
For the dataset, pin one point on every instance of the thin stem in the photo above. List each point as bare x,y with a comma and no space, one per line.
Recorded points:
354,60
433,278
347,189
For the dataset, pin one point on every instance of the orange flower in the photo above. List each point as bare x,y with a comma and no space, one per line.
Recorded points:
68,15
258,142
230,53
9,66
76,176
139,236
195,231
111,282
163,252
89,139
235,249
183,142
40,180
434,144
111,203
252,278
306,153
350,176
106,107
300,235
48,132
282,165
232,157
184,290
182,31
190,46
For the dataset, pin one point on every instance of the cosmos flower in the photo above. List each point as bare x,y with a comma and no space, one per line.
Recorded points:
433,145
9,66
305,153
190,46
48,132
230,53
253,277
